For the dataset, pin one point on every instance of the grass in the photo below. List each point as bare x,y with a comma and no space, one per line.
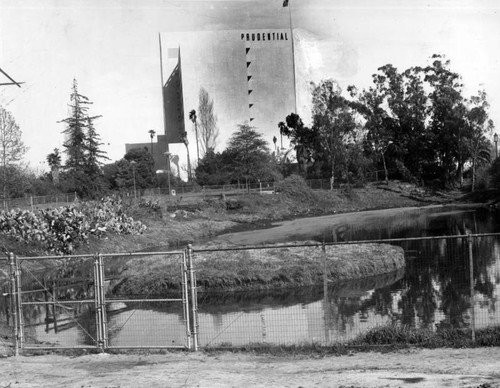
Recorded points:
266,268
385,338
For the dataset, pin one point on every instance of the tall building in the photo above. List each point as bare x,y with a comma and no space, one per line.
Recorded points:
249,75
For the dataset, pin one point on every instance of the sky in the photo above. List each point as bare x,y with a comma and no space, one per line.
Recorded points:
111,48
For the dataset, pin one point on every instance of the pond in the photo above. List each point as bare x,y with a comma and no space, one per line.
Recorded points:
432,291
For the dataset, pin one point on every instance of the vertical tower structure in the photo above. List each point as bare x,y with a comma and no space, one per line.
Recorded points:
249,75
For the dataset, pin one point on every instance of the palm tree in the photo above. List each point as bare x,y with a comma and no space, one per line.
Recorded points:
152,135
186,143
193,118
54,161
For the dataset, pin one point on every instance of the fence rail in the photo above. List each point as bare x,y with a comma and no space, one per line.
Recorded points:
91,301
185,191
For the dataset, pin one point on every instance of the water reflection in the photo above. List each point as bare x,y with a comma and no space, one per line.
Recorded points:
433,291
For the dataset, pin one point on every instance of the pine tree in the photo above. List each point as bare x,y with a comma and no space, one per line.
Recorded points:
93,153
82,147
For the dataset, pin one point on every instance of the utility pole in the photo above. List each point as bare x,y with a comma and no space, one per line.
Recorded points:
285,4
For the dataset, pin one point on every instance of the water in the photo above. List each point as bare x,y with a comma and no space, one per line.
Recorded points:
432,291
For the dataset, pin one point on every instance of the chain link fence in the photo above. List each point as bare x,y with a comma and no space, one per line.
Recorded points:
448,283
292,294
89,302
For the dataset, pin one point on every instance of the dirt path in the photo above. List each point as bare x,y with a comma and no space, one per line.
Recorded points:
307,228
409,368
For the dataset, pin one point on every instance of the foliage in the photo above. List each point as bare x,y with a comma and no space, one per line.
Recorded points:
303,139
334,124
62,230
246,157
213,169
12,148
296,187
208,130
137,164
403,335
495,173
419,123
54,161
82,147
249,155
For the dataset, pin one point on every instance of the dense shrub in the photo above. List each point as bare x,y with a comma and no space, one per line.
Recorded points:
62,230
295,186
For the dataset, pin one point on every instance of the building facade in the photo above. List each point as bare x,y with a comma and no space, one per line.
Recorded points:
249,75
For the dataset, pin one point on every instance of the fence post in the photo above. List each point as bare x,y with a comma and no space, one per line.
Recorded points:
471,284
14,301
99,303
194,301
185,298
20,314
325,294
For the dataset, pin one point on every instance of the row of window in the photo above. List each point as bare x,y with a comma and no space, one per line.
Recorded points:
264,36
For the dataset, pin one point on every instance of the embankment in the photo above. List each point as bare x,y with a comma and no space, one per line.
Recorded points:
219,269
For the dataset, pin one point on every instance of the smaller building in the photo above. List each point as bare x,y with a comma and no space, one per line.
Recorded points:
157,148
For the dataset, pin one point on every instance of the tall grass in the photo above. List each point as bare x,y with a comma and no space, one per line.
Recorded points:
386,338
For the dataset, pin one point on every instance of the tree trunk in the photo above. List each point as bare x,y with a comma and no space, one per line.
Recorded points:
386,173
332,178
473,174
189,164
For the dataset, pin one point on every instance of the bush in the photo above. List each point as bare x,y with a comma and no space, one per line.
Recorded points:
64,229
295,186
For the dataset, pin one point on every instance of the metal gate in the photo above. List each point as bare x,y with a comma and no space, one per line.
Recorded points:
80,302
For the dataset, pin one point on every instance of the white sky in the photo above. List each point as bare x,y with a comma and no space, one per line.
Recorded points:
111,48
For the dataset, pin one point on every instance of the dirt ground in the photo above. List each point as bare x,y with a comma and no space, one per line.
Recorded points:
405,368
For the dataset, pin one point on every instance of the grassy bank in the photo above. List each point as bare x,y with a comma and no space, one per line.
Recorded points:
383,338
259,269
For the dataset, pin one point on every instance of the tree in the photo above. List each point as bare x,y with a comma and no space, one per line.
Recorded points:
209,132
12,148
334,124
395,110
302,138
250,155
93,153
152,134
447,118
120,174
82,147
477,145
193,118
54,161
144,168
185,140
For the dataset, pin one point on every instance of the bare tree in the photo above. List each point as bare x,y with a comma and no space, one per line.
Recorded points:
209,132
12,148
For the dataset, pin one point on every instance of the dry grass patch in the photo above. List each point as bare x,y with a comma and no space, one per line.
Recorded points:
223,269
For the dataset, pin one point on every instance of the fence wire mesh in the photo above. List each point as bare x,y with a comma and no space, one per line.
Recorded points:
155,316
57,303
437,289
6,327
259,296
